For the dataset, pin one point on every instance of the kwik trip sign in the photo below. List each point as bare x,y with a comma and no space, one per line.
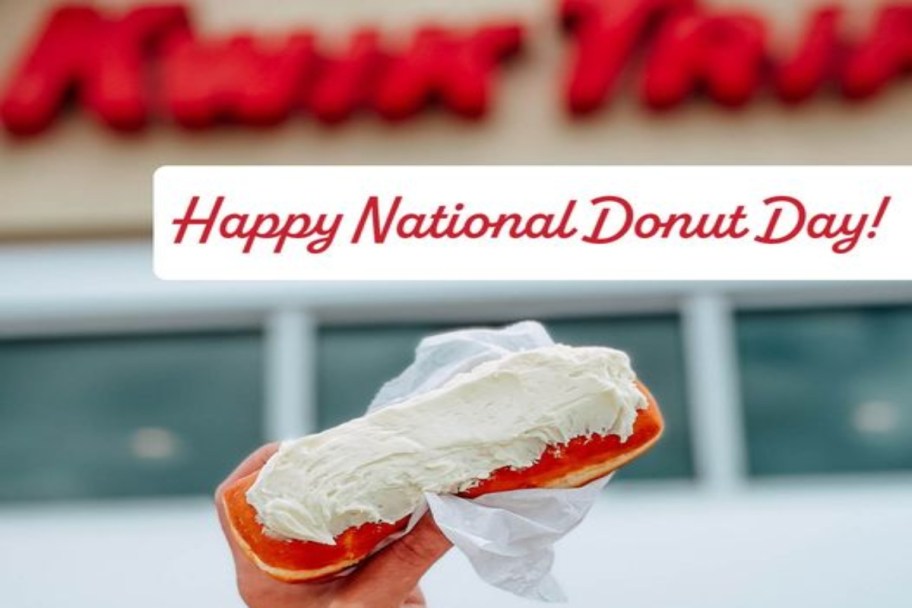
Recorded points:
149,64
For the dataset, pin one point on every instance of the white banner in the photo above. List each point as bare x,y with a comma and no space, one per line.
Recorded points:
532,223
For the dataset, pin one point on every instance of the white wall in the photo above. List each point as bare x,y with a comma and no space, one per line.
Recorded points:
801,547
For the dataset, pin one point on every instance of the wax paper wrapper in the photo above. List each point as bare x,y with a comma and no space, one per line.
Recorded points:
508,536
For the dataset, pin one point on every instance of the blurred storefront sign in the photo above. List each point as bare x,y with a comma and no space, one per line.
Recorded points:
151,64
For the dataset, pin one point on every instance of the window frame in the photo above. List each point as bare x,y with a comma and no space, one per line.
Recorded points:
58,293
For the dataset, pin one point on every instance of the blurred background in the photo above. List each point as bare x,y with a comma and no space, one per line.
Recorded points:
785,477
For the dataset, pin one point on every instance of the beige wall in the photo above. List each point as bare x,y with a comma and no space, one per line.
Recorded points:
81,180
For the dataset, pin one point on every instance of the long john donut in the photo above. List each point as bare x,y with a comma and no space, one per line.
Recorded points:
568,465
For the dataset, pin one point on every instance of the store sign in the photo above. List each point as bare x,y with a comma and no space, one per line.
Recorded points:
150,64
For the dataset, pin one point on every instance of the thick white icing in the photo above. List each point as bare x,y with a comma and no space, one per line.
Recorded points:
502,413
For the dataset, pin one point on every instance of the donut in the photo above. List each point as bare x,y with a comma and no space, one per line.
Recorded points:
560,464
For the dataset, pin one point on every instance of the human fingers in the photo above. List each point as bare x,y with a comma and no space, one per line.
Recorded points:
391,576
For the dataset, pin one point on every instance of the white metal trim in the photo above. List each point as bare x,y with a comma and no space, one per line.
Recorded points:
717,438
289,407
53,286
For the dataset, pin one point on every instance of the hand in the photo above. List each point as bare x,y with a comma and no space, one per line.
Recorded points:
389,579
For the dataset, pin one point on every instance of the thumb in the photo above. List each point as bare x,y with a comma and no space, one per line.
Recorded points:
387,578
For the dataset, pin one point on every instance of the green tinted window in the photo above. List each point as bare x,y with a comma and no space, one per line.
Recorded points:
127,415
354,361
827,390
655,347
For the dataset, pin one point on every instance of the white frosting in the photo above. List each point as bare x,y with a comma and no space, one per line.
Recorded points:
502,413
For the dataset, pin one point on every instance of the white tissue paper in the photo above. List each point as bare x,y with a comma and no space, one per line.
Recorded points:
508,536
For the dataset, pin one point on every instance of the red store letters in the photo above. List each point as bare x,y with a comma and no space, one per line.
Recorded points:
150,64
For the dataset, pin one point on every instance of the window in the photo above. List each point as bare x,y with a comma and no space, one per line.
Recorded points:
133,415
654,344
827,390
354,361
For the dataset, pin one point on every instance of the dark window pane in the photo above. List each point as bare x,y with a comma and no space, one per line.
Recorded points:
354,361
827,390
655,347
127,415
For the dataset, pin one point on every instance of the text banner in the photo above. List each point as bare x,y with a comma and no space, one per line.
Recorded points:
532,223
